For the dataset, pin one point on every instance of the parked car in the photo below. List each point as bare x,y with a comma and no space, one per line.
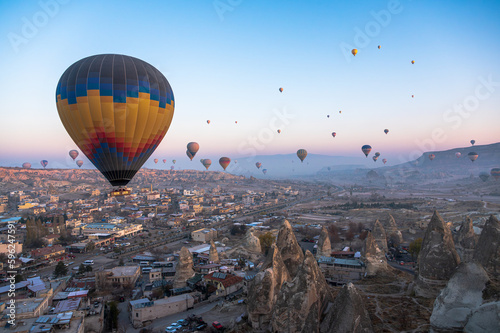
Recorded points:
201,326
217,325
171,329
176,325
183,322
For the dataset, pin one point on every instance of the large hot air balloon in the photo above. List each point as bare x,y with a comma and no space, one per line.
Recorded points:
79,163
281,90
484,176
207,163
472,142
155,160
384,160
386,131
173,161
334,134
44,163
264,171
495,173
366,149
432,156
224,162
375,158
26,165
473,156
458,155
73,154
117,109
193,148
301,154
258,165
354,52
189,155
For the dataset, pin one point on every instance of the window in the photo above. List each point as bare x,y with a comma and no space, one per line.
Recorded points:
137,314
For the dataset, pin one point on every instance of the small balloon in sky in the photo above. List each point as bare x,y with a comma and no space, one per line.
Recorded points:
379,47
412,62
354,52
281,90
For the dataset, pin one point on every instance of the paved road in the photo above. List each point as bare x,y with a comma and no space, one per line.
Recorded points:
401,268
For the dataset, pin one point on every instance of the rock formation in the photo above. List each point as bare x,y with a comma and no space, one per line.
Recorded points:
488,246
437,260
347,313
264,289
184,269
462,295
378,233
213,255
374,258
466,240
251,242
486,318
324,246
289,248
392,231
301,301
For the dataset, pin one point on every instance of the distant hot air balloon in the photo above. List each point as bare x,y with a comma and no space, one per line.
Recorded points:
173,161
354,52
73,154
384,160
264,171
412,62
193,148
375,158
208,122
117,109
235,161
472,142
386,131
171,167
301,154
44,163
258,165
329,168
458,154
155,160
484,176
189,155
340,111
412,96
379,47
79,163
279,131
366,149
328,116
235,121
432,156
472,156
281,90
495,173
26,165
377,154
207,163
334,134
224,162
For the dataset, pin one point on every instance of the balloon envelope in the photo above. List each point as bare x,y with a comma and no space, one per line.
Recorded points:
193,148
431,156
224,162
44,163
189,155
264,171
334,134
472,142
73,154
495,173
386,131
79,163
366,149
458,155
484,176
258,165
164,161
354,52
384,160
281,90
173,161
207,163
117,109
26,165
472,156
301,154
375,158
156,160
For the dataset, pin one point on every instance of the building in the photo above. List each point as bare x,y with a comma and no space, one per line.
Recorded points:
223,283
143,310
117,277
341,271
6,246
48,252
204,235
116,230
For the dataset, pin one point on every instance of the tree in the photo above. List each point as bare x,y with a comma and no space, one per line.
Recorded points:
90,246
266,240
113,314
88,268
81,269
415,247
121,263
333,232
60,269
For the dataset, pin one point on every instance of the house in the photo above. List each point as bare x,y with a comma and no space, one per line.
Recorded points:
143,310
117,277
341,271
204,235
223,283
48,252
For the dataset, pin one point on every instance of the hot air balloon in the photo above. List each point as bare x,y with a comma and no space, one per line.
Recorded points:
279,131
379,47
412,62
301,154
281,90
171,167
386,131
258,165
208,122
164,161
412,96
73,154
340,111
329,168
384,160
79,163
117,109
26,165
189,155
377,154
472,142
431,156
328,116
207,163
458,155
173,161
44,163
366,149
495,173
264,171
235,161
224,162
472,156
334,134
484,176
235,121
193,148
354,52
155,160
375,158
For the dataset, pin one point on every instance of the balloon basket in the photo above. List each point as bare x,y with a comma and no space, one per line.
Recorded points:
120,192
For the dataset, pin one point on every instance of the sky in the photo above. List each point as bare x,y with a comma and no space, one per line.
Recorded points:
226,60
